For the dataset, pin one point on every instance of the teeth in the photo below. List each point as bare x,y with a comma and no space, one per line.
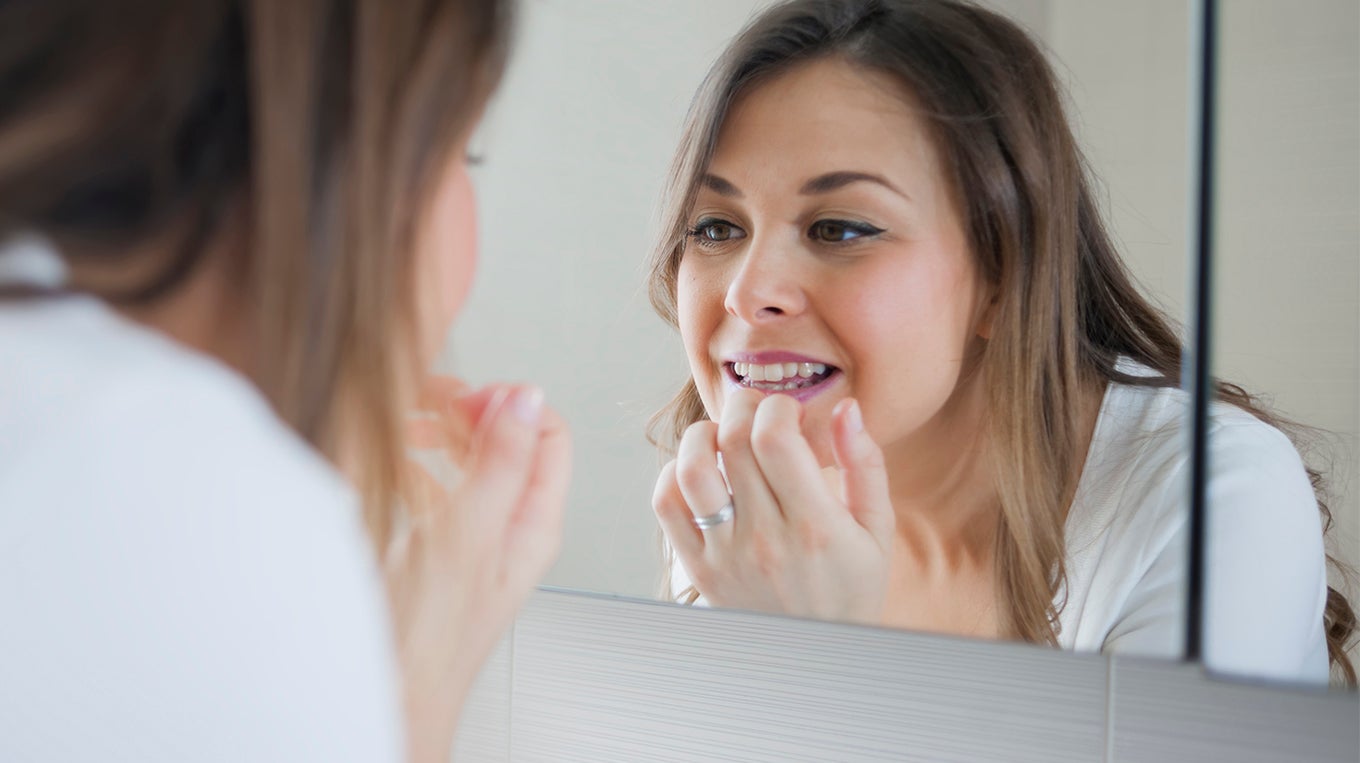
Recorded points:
776,372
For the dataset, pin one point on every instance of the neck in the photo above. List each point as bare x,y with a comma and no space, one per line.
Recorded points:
205,312
943,487
202,315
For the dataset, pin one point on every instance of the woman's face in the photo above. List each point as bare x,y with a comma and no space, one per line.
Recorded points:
447,255
827,258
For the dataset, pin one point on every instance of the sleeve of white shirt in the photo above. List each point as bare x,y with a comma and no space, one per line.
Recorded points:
1266,584
1265,569
186,580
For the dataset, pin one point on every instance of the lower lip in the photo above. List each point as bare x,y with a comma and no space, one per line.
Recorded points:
801,394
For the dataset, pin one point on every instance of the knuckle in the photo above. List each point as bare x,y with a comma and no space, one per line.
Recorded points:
697,432
692,472
733,440
767,555
702,577
811,537
768,440
665,479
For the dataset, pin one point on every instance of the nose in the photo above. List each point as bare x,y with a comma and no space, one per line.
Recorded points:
765,287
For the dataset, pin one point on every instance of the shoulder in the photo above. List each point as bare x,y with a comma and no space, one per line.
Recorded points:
1142,446
117,400
1266,583
164,530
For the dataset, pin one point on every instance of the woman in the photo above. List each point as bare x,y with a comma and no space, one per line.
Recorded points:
234,235
925,392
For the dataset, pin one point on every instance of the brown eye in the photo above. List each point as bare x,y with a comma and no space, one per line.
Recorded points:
710,232
840,231
716,232
829,230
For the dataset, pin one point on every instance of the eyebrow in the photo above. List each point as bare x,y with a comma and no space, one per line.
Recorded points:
721,186
833,181
827,183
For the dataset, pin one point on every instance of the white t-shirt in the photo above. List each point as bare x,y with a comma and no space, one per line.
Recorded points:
181,576
1127,531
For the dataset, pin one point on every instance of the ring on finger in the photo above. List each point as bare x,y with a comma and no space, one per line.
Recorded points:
718,517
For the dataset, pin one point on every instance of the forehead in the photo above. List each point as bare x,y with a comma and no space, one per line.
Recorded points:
827,115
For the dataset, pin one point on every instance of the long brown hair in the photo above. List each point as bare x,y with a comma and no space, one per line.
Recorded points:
1067,308
312,133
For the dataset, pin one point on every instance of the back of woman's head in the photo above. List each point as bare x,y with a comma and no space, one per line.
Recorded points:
304,139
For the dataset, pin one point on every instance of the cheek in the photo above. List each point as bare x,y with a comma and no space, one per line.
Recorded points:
908,333
449,256
699,309
459,252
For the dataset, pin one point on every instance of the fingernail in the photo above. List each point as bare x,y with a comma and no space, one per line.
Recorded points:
853,418
527,405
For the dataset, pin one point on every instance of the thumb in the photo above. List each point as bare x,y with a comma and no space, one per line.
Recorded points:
863,471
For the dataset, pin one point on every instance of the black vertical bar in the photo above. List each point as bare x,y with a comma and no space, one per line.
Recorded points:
1197,378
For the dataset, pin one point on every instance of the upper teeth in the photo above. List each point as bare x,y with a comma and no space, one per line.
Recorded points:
773,372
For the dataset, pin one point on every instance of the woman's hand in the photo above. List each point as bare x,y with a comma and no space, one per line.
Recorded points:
798,543
472,553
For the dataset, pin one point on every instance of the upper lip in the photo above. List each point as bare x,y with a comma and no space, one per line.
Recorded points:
770,357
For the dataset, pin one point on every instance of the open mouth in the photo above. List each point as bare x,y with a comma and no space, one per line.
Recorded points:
779,377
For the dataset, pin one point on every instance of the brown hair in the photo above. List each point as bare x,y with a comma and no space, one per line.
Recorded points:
1067,308
312,132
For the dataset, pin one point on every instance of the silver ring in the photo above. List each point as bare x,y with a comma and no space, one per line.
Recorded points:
724,514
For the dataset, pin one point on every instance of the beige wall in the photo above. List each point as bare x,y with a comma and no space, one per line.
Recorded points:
1288,286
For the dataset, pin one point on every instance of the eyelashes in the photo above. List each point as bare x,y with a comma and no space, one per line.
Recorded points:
714,232
841,231
711,231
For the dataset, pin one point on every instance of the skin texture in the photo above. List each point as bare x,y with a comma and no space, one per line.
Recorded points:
891,525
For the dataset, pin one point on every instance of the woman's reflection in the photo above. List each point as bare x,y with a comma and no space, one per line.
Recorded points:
925,390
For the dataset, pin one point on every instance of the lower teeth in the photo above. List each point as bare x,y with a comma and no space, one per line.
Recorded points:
776,387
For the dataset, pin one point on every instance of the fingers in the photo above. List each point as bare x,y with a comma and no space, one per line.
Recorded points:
701,484
756,507
504,452
862,468
437,391
450,415
440,394
428,434
534,534
786,460
673,513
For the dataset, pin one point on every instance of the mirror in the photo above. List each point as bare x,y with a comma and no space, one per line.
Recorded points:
1286,316
576,152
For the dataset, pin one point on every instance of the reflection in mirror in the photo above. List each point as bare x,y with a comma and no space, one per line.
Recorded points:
926,391
999,323
1286,328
